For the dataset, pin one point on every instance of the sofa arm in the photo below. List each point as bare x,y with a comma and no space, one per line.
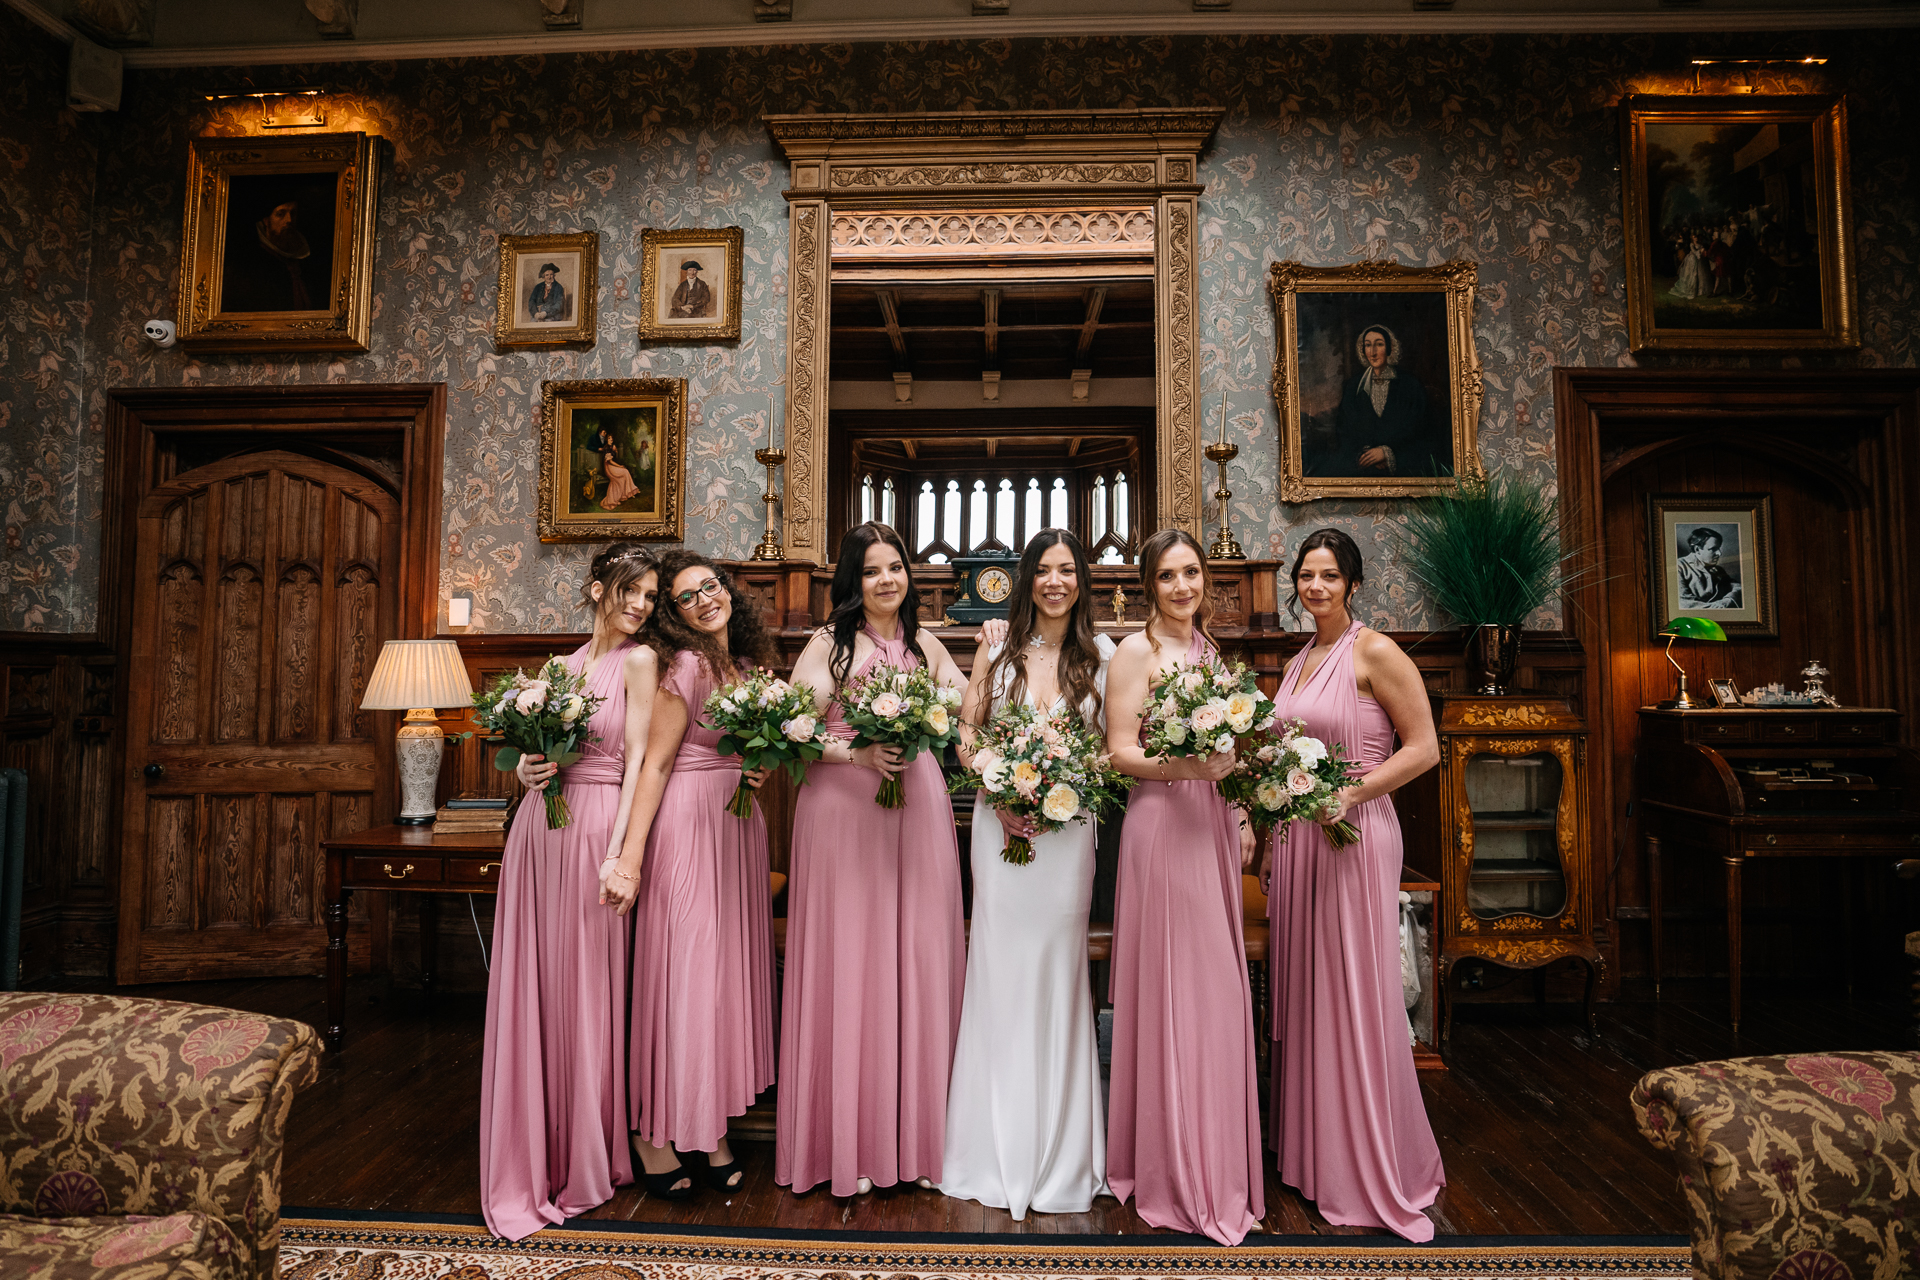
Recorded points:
115,1105
1798,1162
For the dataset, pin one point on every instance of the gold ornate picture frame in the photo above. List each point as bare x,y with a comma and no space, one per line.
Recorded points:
1376,381
1739,223
549,290
613,459
277,248
690,284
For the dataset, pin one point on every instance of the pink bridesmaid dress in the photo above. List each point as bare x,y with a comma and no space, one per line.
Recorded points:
1183,1129
702,1038
553,1082
876,963
1348,1121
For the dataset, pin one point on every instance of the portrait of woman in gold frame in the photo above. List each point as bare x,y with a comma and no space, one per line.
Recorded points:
1375,379
690,284
549,288
277,248
1739,223
613,459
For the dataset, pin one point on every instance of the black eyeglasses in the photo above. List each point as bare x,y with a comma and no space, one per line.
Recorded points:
685,599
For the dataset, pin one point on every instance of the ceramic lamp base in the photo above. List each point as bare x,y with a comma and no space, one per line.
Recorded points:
417,748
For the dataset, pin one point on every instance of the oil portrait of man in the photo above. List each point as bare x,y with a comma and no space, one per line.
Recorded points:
279,247
693,300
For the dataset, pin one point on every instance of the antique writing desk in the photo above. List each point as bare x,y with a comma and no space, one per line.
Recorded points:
1745,783
408,860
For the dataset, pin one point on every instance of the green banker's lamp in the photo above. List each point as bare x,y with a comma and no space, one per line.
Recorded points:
1687,628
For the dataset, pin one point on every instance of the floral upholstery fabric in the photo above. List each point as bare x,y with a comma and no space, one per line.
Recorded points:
191,1246
1794,1168
113,1107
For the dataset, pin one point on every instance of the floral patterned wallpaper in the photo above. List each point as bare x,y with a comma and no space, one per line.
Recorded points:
1333,149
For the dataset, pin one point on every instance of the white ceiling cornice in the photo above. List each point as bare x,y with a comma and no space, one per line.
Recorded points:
1546,16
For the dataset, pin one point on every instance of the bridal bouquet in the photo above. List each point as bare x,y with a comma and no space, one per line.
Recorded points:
1293,778
1200,708
543,714
769,724
905,709
1052,769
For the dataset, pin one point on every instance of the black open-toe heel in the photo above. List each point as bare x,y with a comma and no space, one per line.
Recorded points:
661,1184
718,1174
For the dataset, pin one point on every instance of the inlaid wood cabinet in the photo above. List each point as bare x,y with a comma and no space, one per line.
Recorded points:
1502,824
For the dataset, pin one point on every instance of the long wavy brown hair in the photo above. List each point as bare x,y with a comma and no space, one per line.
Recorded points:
1151,554
849,610
1079,656
669,634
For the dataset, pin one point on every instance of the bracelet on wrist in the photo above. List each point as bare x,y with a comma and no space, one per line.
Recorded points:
624,876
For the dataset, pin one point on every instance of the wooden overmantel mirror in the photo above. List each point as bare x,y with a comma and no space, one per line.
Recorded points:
993,326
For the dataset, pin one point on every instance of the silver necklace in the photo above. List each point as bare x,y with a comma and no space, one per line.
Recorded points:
1040,642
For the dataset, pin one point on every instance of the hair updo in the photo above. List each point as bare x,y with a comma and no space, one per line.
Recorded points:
1346,557
617,567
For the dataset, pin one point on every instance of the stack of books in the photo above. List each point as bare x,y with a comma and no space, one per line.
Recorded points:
465,814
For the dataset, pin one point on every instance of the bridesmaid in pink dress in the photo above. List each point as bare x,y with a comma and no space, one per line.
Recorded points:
696,876
1183,1135
876,954
553,1081
1348,1121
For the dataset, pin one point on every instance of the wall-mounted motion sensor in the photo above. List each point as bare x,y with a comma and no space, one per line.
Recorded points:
159,333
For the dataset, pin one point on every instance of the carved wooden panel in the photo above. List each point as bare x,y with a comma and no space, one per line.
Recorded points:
245,738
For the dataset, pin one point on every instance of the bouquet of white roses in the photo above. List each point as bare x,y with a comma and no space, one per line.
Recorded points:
544,714
1293,778
1200,708
769,724
1052,769
905,709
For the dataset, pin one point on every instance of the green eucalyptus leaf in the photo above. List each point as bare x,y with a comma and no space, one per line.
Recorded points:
506,758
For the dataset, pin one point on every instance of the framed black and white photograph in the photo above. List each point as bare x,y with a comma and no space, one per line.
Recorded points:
1375,379
548,288
1713,558
1725,692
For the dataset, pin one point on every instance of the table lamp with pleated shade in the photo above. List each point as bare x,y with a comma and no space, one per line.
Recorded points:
417,676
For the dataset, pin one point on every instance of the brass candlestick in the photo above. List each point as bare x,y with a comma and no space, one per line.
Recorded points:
1224,547
769,457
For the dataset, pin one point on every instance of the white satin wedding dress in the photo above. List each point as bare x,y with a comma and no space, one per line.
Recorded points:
1025,1126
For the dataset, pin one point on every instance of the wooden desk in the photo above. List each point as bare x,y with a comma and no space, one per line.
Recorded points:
400,860
1699,792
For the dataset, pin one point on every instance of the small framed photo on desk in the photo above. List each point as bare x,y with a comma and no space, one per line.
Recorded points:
1725,693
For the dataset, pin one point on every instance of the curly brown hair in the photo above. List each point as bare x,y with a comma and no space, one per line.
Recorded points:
669,634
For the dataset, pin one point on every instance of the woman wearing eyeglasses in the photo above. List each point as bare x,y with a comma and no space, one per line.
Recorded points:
876,958
701,1039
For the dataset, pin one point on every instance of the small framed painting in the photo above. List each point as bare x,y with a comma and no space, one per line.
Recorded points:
1713,558
548,287
277,250
612,459
1738,223
690,284
1375,379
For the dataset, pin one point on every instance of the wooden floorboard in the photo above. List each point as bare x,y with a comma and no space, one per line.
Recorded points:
1532,1119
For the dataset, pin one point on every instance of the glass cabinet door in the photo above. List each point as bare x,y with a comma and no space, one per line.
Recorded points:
1515,804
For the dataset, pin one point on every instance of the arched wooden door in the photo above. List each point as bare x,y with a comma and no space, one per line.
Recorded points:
264,585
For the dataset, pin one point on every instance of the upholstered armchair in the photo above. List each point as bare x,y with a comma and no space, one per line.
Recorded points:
1793,1168
142,1138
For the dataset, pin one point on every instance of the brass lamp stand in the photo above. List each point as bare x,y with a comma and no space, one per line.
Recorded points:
770,457
1224,547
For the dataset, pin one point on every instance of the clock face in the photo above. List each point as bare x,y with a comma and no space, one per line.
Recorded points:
992,585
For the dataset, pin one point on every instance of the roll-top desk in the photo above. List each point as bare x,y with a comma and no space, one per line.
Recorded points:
1745,783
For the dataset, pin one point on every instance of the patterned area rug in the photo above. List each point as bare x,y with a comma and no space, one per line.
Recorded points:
388,1250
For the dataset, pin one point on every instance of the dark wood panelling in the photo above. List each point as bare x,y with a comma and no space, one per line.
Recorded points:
1838,453
57,725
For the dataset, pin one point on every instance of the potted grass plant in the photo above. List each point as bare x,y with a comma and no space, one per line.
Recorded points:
1489,555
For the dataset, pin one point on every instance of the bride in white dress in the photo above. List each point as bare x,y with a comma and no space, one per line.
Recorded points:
1025,1128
